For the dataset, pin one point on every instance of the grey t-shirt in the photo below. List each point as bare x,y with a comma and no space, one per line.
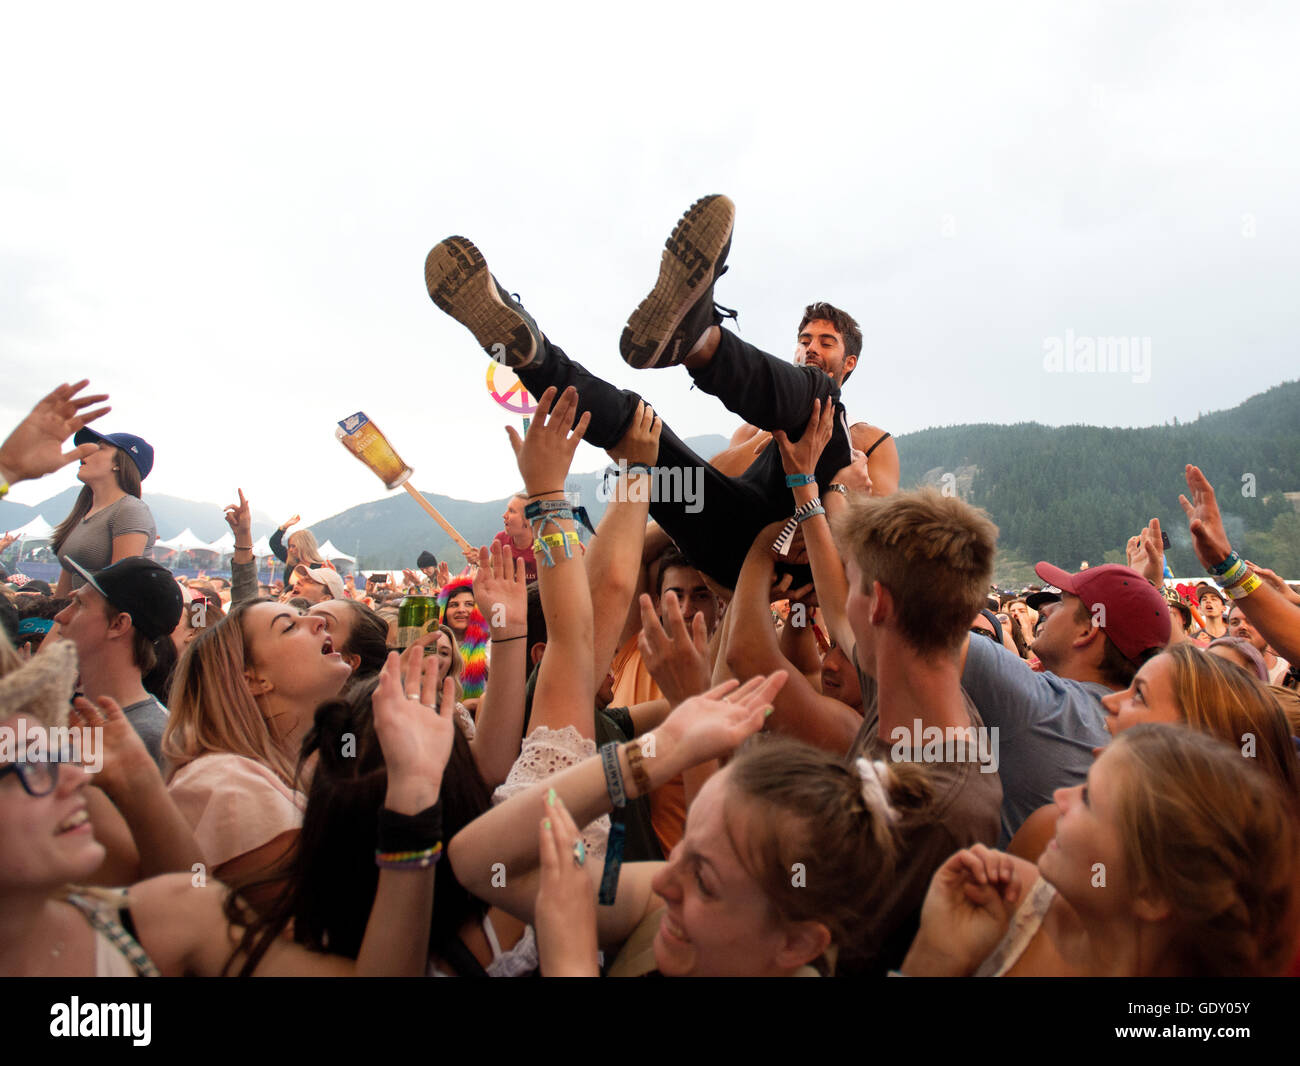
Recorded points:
1047,728
963,810
91,542
149,719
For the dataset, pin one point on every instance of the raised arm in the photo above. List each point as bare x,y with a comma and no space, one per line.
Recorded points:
243,564
801,710
501,592
614,560
35,446
1272,614
496,856
566,690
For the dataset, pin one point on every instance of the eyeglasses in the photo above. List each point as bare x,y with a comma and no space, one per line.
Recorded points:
37,778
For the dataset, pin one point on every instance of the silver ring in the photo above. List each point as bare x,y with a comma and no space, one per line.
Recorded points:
579,853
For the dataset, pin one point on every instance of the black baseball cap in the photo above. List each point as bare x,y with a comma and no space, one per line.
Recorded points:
143,589
139,449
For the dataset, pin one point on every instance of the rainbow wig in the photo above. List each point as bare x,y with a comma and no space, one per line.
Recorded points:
473,646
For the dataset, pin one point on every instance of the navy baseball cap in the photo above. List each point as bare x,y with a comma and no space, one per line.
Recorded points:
140,450
143,589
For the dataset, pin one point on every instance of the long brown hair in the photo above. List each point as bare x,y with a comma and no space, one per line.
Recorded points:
128,480
211,708
1218,697
302,545
1218,843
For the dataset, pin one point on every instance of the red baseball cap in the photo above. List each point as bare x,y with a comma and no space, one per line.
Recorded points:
1136,617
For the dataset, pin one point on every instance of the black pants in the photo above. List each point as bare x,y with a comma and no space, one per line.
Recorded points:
761,389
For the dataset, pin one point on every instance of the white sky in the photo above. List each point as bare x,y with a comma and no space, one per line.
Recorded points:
220,215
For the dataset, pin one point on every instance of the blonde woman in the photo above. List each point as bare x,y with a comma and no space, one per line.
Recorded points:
244,695
301,549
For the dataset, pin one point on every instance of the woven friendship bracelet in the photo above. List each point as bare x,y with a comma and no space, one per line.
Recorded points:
542,546
786,537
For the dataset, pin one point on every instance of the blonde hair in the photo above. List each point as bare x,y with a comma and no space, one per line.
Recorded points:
933,553
304,546
211,708
457,666
1218,697
1218,843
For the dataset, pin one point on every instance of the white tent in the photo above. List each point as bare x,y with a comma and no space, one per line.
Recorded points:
262,547
224,544
186,541
36,529
330,553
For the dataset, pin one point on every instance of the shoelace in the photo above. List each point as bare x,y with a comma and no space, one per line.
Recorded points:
718,309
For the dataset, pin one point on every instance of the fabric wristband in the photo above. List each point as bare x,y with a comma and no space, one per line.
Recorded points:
810,512
793,481
613,861
409,832
1243,589
1227,564
613,774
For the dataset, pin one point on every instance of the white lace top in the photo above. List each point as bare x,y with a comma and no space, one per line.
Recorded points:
545,753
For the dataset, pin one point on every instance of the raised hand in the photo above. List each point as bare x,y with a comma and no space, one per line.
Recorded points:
966,911
712,725
7,540
801,457
545,453
640,444
501,590
239,520
676,657
1270,578
124,759
1145,553
565,916
444,574
1204,521
35,447
291,523
415,738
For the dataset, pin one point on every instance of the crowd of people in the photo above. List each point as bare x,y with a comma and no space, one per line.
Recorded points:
792,732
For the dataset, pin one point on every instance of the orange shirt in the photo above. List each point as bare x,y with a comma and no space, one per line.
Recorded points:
633,684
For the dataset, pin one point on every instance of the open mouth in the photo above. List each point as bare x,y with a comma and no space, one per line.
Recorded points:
328,647
78,820
672,931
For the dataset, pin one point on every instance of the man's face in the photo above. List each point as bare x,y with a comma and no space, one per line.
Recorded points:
311,591
515,523
85,621
821,345
693,595
1061,628
1238,626
1211,605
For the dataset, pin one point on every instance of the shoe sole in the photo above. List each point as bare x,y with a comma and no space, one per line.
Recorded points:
686,270
459,282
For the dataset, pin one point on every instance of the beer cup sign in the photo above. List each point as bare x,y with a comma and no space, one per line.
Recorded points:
364,440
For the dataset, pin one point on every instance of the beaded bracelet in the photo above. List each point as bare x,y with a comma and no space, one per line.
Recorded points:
1243,589
409,860
639,775
613,774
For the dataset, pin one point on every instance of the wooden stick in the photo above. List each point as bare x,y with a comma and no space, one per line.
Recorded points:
433,513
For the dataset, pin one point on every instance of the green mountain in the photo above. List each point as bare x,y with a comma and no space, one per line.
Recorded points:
1072,493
